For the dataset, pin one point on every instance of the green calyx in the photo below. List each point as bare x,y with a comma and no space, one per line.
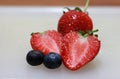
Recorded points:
76,9
85,34
38,33
79,9
34,33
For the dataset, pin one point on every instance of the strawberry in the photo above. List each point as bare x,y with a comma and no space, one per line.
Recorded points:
49,41
75,20
79,49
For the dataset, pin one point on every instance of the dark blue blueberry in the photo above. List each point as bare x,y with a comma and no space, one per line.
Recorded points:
52,60
34,58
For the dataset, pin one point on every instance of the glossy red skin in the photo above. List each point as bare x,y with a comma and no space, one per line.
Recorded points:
74,21
80,57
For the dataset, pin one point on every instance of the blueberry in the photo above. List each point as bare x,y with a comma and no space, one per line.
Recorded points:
34,57
52,60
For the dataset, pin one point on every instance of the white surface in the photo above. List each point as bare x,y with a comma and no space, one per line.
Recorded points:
17,23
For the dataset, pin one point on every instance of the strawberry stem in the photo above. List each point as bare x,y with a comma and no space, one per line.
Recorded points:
86,5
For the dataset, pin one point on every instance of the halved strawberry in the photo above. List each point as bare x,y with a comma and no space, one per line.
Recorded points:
78,50
49,41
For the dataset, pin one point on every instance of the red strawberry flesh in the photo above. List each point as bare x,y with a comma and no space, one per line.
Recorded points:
50,41
79,50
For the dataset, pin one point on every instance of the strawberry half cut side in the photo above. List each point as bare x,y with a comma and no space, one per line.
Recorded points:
49,41
79,50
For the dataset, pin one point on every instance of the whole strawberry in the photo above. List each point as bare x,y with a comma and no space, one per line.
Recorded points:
75,20
79,49
49,41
